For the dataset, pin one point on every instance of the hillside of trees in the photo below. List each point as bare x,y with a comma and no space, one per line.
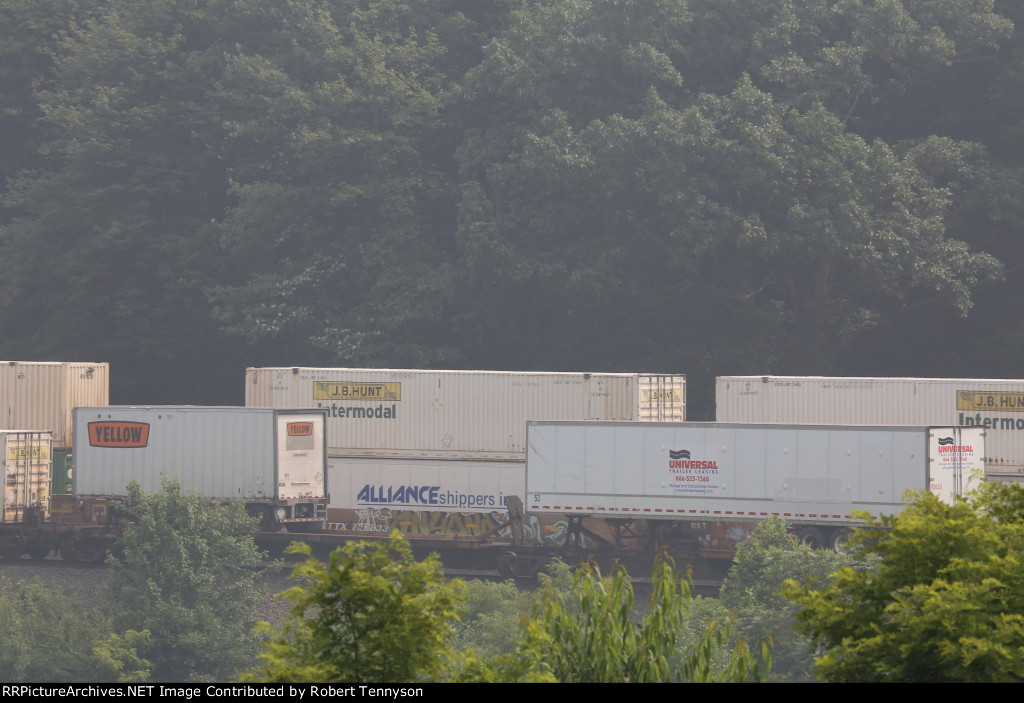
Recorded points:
704,187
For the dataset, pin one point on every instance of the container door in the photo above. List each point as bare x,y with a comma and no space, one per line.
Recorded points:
955,460
662,399
26,471
301,456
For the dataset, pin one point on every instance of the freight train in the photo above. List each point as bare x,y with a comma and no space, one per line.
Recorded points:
445,457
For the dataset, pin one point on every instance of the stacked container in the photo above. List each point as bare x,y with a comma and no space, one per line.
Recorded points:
40,395
997,406
449,441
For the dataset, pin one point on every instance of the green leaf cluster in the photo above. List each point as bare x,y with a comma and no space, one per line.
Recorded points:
944,603
48,638
753,592
372,614
189,575
593,634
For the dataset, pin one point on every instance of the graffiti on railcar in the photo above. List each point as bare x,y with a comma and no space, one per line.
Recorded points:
437,523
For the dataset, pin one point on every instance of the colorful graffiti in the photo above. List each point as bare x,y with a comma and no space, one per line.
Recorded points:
430,522
436,523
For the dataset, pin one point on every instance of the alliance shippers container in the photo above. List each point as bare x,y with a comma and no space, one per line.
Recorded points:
474,415
995,405
707,473
273,460
25,459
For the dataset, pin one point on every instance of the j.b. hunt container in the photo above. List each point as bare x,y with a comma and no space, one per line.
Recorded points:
25,458
273,460
997,406
458,415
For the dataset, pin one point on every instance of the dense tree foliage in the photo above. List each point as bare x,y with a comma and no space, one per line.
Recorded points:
46,639
943,604
556,184
593,634
375,613
372,614
763,565
190,572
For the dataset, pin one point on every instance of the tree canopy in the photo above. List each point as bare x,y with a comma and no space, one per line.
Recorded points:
943,604
528,184
372,614
190,572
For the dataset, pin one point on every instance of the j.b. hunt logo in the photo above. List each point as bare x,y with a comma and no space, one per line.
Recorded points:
119,435
679,459
351,390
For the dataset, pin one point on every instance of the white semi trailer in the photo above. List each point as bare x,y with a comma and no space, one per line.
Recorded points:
717,480
274,461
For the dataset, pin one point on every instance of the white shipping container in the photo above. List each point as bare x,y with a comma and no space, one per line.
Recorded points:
39,395
259,456
26,459
995,405
815,475
477,415
436,485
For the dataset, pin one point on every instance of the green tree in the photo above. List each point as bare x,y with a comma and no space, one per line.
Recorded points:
46,640
593,634
744,196
371,614
753,592
491,617
944,604
189,575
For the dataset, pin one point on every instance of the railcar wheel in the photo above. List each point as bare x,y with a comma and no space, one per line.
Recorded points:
811,537
265,513
839,541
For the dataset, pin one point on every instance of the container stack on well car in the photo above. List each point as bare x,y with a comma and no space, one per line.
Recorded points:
40,395
608,457
713,482
36,401
437,452
997,406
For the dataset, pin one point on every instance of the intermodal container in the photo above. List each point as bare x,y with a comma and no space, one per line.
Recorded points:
260,456
997,406
717,472
458,415
26,462
39,395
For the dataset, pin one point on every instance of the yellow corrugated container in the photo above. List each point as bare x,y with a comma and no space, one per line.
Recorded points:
25,462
